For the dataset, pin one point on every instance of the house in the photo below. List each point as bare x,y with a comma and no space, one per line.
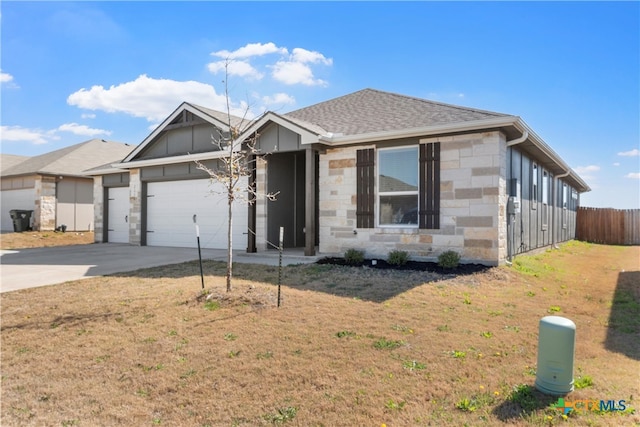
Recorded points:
371,170
54,185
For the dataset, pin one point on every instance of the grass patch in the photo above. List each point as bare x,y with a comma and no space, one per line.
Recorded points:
330,355
386,344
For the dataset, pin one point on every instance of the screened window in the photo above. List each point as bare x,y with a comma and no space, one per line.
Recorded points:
398,186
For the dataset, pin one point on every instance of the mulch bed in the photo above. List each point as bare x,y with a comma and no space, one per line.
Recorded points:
432,267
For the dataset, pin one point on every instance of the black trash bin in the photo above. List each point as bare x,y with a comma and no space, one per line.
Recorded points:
21,219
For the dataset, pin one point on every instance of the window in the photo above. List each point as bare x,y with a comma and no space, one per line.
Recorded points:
534,186
545,199
398,186
565,199
408,187
545,188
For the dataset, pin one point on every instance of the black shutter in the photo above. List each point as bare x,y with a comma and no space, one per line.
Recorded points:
429,212
365,188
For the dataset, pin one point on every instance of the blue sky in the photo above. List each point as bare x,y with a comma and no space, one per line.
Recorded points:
75,71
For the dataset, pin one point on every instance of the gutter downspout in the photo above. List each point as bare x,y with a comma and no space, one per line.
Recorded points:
523,138
511,217
555,200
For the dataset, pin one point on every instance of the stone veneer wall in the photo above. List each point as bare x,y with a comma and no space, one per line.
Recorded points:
98,210
472,205
135,207
45,204
261,204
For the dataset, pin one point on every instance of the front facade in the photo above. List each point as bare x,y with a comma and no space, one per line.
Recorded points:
371,170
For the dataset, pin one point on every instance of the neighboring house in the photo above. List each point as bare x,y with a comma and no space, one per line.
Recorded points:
54,185
371,170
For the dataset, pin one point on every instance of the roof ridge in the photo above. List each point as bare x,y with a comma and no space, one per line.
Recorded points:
430,101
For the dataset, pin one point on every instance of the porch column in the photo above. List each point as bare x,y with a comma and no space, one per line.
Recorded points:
310,203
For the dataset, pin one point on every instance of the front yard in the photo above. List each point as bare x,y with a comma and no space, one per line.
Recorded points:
349,346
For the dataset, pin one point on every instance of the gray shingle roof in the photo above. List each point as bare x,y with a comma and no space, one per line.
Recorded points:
222,116
371,110
10,160
72,160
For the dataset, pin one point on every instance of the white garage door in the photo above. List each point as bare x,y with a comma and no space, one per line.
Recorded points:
118,218
23,199
170,209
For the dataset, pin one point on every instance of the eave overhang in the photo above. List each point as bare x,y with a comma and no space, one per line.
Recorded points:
200,157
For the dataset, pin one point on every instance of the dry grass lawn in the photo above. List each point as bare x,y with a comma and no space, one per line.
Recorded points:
348,346
38,239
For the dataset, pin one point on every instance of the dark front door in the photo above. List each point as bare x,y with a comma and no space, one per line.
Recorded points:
286,175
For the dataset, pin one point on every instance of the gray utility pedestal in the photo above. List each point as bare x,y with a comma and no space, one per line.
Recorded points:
556,351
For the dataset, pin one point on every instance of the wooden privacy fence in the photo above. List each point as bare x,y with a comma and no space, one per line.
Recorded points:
608,226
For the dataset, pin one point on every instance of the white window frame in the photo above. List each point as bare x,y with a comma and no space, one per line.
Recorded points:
534,186
380,194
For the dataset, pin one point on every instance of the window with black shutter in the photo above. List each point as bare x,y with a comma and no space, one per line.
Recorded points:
429,208
365,169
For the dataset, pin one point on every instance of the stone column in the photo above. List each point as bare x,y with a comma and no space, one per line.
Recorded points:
135,207
45,204
98,210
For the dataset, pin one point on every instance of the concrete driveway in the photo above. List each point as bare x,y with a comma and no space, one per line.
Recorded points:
29,268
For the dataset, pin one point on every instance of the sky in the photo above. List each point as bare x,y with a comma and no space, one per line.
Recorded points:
73,71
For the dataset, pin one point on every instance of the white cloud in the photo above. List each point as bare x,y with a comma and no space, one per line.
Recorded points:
630,153
306,56
5,77
251,49
290,69
291,73
235,68
20,134
83,130
633,175
588,173
153,99
88,116
279,98
616,164
296,69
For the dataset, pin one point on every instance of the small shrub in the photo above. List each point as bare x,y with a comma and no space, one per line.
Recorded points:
397,257
353,256
449,259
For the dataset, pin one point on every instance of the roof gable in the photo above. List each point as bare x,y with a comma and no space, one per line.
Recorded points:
185,115
370,111
72,160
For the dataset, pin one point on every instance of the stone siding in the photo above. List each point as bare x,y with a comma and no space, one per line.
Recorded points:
472,204
44,215
261,204
98,210
135,207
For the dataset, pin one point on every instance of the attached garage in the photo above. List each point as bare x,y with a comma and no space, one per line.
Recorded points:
170,209
74,206
117,218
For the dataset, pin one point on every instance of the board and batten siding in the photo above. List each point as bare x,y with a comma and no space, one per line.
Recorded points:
540,214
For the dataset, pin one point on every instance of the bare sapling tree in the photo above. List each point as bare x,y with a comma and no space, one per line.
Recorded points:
234,169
